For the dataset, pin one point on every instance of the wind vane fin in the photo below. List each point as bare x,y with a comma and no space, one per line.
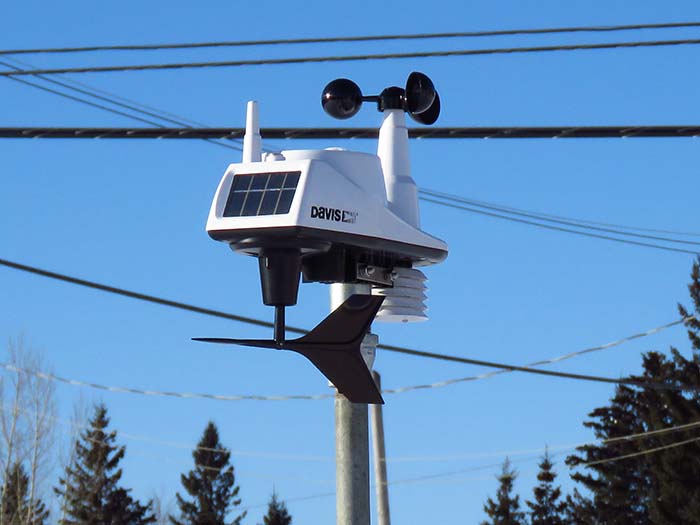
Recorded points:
333,347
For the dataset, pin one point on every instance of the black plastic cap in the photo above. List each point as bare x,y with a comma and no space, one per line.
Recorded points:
341,98
280,271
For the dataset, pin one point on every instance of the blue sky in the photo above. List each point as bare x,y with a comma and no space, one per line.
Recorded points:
132,214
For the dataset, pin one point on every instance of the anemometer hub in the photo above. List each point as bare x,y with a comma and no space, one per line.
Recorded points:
334,216
342,99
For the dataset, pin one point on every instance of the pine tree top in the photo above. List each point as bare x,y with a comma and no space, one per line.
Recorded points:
277,513
547,508
505,510
210,485
89,489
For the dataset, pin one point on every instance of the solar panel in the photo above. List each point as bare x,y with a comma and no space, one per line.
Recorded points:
261,194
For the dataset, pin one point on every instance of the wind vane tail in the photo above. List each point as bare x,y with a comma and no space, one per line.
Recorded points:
333,347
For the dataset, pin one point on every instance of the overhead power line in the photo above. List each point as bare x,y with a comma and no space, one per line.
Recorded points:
544,216
496,465
503,132
47,376
83,101
578,132
77,425
538,451
92,90
144,297
353,58
530,458
391,348
641,452
111,100
360,38
558,359
456,198
559,228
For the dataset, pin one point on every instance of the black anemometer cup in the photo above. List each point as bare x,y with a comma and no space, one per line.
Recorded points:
341,98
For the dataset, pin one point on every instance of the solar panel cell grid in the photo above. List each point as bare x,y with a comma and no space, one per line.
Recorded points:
261,194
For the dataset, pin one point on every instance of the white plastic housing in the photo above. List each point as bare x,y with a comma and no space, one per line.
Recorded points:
404,302
339,192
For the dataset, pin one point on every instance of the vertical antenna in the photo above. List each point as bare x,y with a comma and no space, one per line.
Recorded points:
252,142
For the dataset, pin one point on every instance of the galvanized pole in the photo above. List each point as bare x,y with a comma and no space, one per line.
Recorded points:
352,435
379,455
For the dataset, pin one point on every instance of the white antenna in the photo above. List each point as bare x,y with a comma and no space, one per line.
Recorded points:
252,142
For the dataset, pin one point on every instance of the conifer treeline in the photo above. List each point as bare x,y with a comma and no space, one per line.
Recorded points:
90,491
661,487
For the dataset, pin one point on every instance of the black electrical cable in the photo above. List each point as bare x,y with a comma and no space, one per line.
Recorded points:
95,90
348,58
557,228
391,348
441,195
361,38
569,132
83,101
105,99
141,296
543,216
462,200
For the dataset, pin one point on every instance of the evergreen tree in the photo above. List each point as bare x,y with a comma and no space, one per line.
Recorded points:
89,489
658,488
579,510
506,509
17,509
547,509
276,512
619,489
211,485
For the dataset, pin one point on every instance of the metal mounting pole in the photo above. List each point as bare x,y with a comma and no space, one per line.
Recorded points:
352,435
379,455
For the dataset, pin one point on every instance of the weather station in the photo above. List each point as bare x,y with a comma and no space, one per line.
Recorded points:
348,219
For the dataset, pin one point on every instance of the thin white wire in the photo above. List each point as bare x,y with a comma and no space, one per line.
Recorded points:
431,478
182,395
220,397
439,478
641,452
299,457
554,449
564,357
172,444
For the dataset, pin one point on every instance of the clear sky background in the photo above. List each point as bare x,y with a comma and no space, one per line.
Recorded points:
132,214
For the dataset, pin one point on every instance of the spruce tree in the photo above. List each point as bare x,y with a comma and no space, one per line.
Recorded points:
505,510
579,510
277,512
619,489
89,489
17,509
660,487
211,485
547,508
